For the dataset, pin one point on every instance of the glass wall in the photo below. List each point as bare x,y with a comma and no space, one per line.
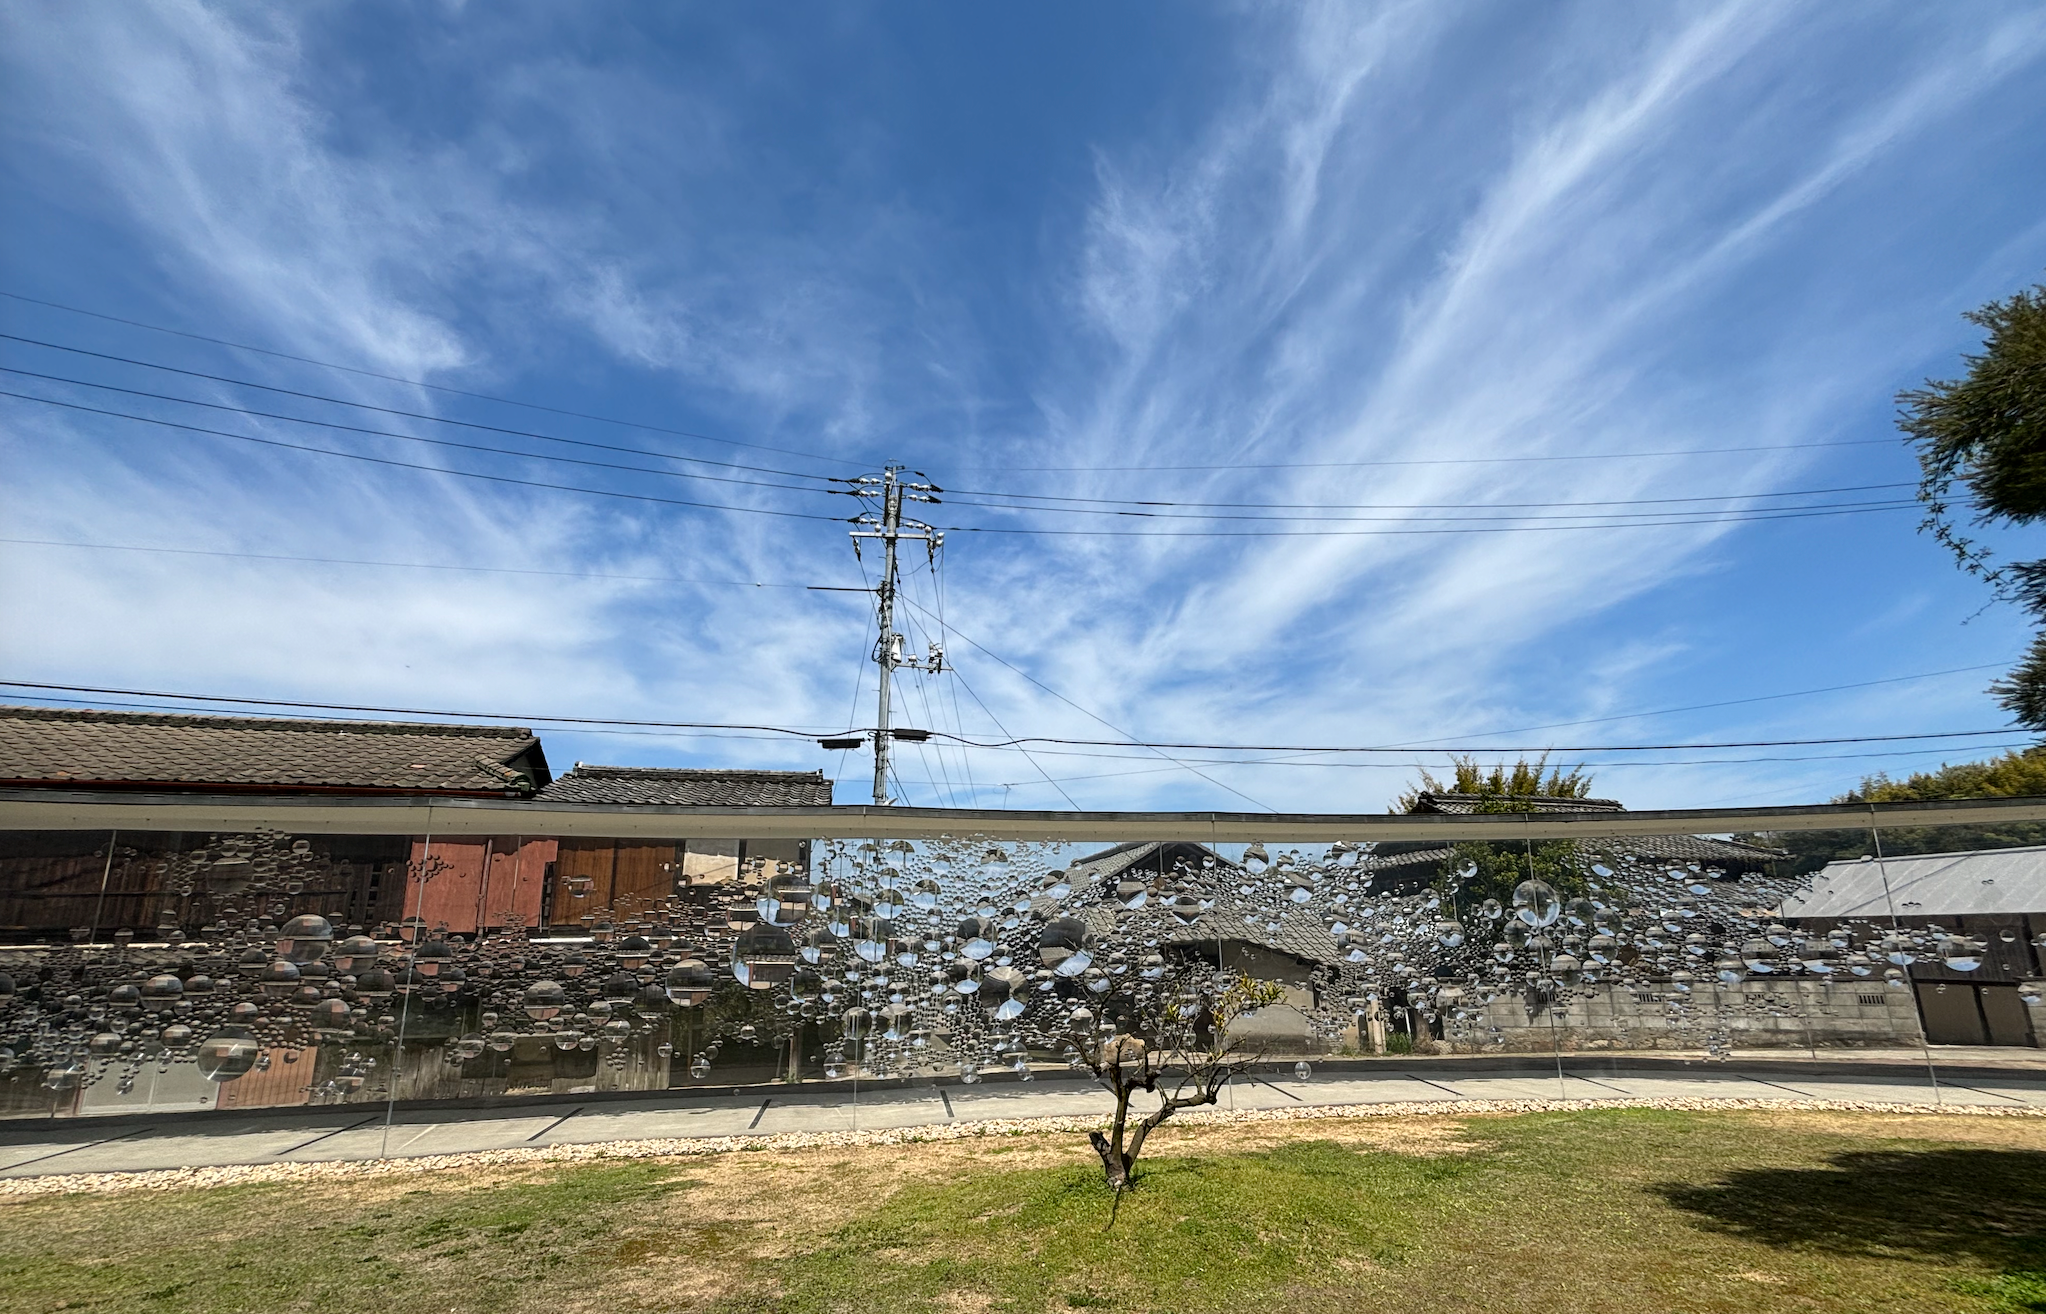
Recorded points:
153,972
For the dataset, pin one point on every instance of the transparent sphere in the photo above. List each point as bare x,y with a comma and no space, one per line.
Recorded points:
355,953
228,1054
689,983
544,1000
1960,953
815,944
1003,993
785,898
1066,946
1536,903
763,957
976,936
305,938
375,983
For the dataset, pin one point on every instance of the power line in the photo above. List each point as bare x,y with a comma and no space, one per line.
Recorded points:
1012,741
442,442
1118,757
1499,748
364,406
1439,460
1109,775
429,469
1696,515
1402,506
506,717
1628,766
1738,702
1728,517
1042,498
673,579
816,456
403,565
1093,716
1027,755
101,704
432,387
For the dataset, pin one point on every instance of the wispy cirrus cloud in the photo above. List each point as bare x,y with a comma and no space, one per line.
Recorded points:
1395,233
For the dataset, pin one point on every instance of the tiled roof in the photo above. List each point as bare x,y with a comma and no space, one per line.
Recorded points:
1290,931
690,787
1686,848
1469,804
79,749
1411,868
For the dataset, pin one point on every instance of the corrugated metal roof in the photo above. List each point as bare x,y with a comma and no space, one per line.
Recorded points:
1987,882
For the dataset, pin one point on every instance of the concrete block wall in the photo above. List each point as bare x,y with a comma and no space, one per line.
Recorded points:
1750,1015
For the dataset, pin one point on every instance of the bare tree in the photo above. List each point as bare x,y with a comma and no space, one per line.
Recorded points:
1190,1056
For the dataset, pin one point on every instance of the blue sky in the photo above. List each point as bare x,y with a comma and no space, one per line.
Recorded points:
1264,257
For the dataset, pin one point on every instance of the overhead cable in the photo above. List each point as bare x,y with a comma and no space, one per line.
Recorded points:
431,387
1014,740
1166,514
1488,525
430,469
1435,460
362,406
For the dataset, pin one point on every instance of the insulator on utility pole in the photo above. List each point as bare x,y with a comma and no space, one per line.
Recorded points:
890,527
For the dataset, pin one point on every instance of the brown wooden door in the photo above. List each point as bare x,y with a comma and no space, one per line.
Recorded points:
583,872
644,876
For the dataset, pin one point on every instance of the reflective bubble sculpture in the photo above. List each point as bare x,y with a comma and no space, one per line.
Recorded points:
953,955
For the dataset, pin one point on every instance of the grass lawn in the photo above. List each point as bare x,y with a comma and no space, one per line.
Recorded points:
1621,1210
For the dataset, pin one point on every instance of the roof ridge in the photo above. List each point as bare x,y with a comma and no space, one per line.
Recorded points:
234,721
1546,798
600,770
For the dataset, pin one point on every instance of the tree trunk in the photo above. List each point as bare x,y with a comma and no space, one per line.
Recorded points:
1114,1163
1113,1166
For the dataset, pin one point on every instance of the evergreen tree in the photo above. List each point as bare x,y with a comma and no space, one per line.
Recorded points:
2012,775
1481,870
1987,432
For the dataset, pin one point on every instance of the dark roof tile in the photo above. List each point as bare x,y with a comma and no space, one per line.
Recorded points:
85,749
690,787
1470,804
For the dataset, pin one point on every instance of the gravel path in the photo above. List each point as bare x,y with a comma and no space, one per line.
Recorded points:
177,1179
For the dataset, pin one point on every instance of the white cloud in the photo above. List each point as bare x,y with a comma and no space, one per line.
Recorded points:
1400,243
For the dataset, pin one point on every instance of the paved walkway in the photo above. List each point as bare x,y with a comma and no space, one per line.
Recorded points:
36,1148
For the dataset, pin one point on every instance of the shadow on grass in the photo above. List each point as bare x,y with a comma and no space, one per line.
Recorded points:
1947,1205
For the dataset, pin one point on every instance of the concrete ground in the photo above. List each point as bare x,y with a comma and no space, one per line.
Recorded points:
35,1147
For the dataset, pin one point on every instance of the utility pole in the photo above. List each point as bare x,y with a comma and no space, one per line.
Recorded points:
890,527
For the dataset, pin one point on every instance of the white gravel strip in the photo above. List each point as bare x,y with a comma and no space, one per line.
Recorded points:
178,1179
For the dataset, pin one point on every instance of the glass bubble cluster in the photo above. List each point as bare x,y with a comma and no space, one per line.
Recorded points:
955,955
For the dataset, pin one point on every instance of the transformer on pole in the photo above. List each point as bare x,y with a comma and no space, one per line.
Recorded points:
890,527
